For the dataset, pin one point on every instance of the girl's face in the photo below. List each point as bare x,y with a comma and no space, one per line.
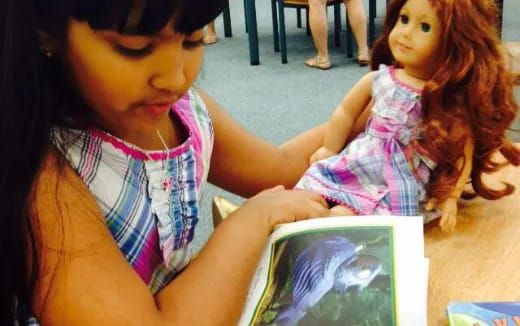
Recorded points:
415,38
130,82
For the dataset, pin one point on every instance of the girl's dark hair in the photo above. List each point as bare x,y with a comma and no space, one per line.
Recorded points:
36,94
470,94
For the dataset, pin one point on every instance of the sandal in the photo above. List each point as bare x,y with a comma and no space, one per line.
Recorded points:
318,62
363,60
210,39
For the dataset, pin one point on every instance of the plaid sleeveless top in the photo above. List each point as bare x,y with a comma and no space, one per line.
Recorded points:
153,223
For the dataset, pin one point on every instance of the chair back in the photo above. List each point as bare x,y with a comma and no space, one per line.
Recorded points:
305,3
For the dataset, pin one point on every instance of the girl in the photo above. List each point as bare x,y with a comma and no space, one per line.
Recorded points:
106,146
442,101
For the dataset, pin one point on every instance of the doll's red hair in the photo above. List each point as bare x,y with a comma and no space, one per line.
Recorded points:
470,93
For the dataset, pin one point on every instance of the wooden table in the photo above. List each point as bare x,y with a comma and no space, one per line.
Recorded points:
480,260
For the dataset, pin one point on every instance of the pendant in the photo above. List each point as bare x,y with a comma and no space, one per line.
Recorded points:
167,184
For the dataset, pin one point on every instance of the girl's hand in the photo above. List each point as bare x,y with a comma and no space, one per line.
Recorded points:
449,213
277,205
321,154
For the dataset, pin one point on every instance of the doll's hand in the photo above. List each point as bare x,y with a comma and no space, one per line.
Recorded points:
277,205
321,154
449,213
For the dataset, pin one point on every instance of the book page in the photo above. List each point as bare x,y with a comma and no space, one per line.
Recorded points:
341,270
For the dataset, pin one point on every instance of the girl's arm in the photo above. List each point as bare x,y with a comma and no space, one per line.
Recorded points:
246,164
344,118
85,280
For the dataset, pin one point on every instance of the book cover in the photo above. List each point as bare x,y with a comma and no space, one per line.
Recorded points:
341,271
483,313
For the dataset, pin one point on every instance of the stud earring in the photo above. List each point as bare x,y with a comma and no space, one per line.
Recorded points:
47,52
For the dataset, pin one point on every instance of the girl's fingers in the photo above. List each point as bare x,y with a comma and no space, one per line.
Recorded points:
315,197
318,210
276,188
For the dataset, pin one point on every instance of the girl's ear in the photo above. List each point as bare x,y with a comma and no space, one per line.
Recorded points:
47,44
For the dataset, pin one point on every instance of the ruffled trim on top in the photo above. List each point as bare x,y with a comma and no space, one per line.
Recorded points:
391,70
176,209
137,152
396,101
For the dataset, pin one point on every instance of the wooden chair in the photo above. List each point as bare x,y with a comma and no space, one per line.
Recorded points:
278,13
279,23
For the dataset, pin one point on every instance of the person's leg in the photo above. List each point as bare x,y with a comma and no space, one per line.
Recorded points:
319,31
358,22
211,35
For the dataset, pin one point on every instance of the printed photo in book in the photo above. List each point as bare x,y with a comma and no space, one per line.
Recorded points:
483,313
333,276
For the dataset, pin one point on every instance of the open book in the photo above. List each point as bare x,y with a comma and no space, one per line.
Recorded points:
367,270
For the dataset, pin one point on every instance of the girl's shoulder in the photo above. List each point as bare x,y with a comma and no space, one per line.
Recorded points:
58,191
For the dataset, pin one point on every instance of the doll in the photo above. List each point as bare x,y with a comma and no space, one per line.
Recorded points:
440,100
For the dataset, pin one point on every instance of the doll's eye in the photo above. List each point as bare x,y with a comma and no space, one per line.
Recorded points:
403,19
425,27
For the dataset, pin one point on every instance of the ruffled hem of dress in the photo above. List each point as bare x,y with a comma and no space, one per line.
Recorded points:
327,196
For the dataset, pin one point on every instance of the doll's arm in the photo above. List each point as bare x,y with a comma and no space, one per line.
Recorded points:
344,117
449,206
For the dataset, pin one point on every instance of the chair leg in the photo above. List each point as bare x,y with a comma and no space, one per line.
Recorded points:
245,15
337,24
227,22
299,17
283,44
276,39
372,13
349,39
307,21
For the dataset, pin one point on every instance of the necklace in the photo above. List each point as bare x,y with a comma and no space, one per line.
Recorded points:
166,178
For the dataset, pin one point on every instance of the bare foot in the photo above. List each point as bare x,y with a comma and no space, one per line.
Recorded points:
322,63
363,59
210,39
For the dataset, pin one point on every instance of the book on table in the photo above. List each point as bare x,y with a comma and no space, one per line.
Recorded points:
367,270
483,313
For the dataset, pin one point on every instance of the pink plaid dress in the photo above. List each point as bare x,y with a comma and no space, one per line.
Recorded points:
380,172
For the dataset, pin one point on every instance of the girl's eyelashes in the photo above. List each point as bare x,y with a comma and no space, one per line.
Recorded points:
134,53
425,27
404,19
140,52
189,45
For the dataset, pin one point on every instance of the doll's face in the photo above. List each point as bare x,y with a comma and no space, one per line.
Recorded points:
415,38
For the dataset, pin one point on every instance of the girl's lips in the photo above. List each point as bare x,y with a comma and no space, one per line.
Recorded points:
158,108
